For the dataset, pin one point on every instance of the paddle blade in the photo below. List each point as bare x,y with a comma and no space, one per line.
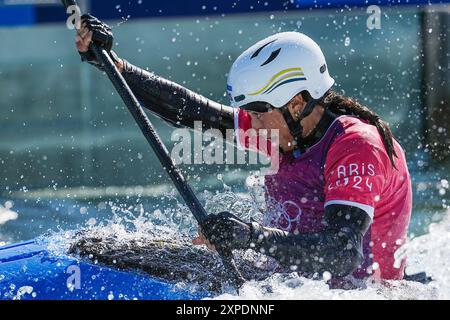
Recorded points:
166,257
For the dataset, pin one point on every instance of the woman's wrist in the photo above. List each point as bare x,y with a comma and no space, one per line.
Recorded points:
117,61
120,65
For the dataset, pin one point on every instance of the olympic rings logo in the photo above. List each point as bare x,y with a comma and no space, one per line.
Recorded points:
281,216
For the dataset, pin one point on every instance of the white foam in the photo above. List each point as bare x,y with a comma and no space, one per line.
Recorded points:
6,214
429,253
24,291
293,287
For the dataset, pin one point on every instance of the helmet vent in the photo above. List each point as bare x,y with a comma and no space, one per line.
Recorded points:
272,57
239,98
257,52
323,68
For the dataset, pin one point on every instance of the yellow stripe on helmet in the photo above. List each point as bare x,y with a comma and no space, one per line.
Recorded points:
275,78
288,76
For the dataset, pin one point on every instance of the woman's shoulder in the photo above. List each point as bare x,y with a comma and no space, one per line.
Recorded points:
356,144
357,139
354,129
352,122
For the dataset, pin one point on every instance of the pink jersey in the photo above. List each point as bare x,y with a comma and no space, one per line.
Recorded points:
349,166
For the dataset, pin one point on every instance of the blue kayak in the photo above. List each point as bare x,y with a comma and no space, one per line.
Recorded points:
29,271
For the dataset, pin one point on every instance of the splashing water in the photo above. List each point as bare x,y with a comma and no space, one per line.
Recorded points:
294,287
134,241
6,214
429,253
132,225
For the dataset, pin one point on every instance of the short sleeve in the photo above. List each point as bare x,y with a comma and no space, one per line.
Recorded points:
355,172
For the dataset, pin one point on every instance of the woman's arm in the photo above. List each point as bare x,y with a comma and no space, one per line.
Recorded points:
176,104
337,249
170,101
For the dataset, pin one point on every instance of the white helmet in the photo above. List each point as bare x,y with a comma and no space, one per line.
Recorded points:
278,68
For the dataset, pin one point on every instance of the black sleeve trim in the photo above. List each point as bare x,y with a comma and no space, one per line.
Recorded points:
176,104
337,249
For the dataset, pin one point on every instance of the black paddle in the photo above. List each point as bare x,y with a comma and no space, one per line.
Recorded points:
159,148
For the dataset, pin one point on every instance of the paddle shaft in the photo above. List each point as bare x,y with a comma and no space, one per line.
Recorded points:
158,147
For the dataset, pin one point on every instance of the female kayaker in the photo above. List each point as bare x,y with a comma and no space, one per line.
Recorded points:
341,200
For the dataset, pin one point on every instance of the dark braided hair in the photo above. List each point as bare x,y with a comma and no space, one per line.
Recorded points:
342,105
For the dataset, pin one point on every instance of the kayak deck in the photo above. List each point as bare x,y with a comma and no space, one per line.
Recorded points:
29,271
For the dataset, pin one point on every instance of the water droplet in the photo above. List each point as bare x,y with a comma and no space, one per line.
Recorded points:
347,41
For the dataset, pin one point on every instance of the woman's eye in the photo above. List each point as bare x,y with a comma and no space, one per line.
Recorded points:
258,115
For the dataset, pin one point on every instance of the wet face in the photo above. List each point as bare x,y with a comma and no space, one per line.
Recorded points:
274,119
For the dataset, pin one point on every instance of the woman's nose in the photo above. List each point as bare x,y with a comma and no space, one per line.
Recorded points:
256,122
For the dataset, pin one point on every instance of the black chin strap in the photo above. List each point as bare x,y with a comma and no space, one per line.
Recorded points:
296,129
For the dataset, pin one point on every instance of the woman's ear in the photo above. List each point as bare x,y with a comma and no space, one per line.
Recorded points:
296,106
